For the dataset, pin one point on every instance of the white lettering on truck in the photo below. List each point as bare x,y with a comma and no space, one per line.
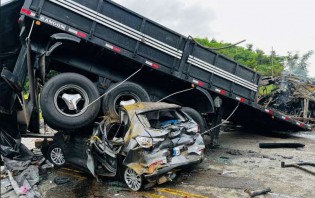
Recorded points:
53,22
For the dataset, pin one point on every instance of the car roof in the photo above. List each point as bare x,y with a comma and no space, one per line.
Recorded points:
143,107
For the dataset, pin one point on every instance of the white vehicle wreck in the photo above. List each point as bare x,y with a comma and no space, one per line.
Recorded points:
149,143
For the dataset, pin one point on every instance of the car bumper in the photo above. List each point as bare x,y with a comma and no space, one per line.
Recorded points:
171,168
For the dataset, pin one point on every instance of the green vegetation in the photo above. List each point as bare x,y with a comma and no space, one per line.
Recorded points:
265,90
258,60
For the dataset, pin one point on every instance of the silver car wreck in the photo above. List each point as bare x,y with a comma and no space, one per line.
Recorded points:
147,146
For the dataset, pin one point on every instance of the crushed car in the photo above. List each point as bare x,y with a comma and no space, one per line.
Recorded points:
147,146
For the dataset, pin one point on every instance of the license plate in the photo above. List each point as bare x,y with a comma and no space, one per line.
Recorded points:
176,151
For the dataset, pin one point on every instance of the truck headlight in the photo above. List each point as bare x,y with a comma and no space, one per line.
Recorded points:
148,142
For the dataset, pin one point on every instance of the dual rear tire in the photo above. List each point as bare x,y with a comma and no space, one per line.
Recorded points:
64,100
69,100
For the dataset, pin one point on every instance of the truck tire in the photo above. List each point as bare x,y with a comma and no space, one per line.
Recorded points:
64,98
196,116
125,92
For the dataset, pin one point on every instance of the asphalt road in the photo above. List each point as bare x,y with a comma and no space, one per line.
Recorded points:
227,171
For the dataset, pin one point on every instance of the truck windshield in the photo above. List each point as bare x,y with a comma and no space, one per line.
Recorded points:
163,118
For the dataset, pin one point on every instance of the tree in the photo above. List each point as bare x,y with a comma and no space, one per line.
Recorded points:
257,59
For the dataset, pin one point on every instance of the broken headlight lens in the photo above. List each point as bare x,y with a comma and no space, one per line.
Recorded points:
148,142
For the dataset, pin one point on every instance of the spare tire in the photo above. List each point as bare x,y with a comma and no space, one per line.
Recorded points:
125,92
64,99
197,117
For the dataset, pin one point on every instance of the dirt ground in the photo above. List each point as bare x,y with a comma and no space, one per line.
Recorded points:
226,171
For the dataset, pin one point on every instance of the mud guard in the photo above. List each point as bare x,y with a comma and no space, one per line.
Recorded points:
64,36
211,108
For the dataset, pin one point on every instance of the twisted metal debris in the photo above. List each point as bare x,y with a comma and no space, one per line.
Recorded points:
293,95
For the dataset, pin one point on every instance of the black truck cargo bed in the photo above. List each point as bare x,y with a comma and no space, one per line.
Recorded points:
113,27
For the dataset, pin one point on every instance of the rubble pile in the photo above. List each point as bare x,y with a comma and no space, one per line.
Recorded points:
20,178
293,95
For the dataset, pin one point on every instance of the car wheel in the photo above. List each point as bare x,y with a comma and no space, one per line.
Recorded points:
133,180
64,99
125,92
55,155
196,116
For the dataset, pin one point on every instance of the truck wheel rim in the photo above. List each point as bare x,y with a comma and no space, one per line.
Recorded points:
132,179
62,106
57,157
124,97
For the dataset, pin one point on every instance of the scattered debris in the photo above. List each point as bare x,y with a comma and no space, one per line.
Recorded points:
281,145
47,165
61,180
299,166
289,157
24,183
268,157
285,157
234,152
228,172
257,192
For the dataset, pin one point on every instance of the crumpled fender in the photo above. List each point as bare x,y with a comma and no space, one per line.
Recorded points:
139,160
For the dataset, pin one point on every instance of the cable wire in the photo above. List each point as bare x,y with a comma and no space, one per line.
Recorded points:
223,121
31,30
176,94
107,92
220,48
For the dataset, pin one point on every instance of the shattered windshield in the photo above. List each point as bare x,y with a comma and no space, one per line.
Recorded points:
163,118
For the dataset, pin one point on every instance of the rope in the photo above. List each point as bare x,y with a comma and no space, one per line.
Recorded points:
220,48
223,121
29,34
112,89
175,94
